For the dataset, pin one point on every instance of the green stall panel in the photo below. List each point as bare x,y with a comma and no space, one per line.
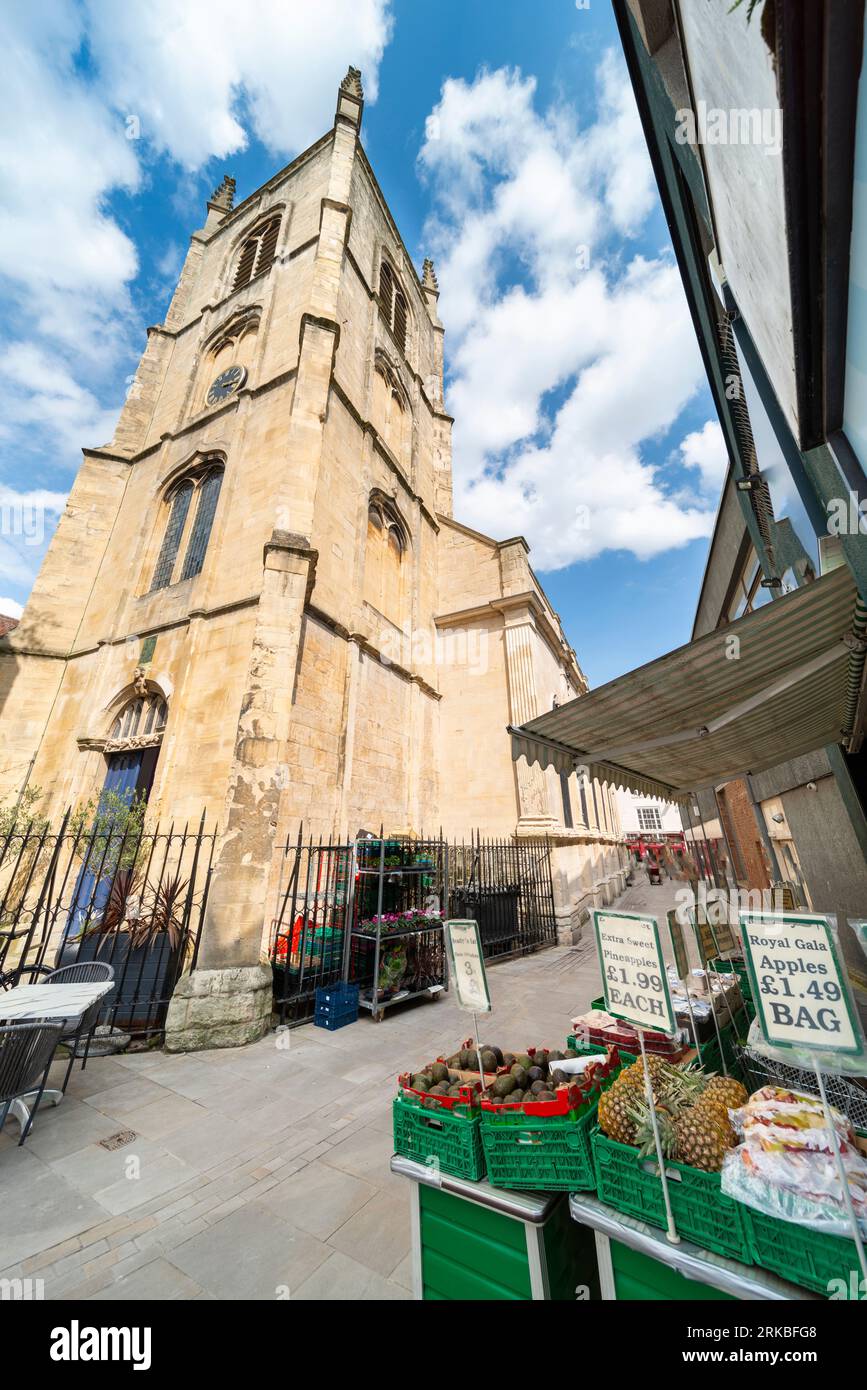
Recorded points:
471,1251
639,1277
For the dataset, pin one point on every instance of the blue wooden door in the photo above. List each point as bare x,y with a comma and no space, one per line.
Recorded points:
91,893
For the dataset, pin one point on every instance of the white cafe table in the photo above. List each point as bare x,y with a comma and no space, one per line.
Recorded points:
48,1004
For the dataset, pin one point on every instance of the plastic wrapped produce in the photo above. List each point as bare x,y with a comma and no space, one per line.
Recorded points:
785,1166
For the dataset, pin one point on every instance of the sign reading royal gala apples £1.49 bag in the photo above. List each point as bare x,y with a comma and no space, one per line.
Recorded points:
799,987
633,970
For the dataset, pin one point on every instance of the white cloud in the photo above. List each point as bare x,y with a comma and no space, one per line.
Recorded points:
542,294
705,449
27,519
198,74
10,608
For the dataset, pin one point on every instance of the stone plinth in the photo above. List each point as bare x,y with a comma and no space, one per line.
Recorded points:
219,1008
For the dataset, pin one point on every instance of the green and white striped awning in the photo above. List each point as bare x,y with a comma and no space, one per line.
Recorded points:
778,683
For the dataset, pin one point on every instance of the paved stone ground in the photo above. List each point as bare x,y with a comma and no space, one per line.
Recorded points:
258,1172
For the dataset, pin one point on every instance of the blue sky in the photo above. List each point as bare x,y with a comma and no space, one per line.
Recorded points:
505,139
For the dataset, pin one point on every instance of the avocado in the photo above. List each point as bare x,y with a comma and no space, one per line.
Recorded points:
536,1074
546,1095
439,1072
497,1054
536,1087
503,1086
515,1096
521,1076
420,1082
508,1059
524,1061
555,1056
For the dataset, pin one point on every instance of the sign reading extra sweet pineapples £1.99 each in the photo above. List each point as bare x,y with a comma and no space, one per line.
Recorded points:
633,970
799,987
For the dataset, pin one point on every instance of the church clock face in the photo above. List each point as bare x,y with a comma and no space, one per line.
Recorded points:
232,379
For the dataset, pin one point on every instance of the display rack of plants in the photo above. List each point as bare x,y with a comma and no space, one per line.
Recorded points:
541,1141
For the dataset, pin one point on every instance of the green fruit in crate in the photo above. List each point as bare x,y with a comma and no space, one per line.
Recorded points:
524,1061
516,1096
420,1082
546,1095
561,1078
555,1056
498,1056
536,1074
503,1086
465,1059
439,1072
455,1061
489,1060
521,1075
536,1087
508,1059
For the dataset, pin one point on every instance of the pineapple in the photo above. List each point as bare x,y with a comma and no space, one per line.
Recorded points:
712,1105
700,1140
615,1107
728,1090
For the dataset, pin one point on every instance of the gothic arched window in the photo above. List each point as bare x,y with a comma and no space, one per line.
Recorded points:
192,504
387,545
142,717
391,412
392,304
257,252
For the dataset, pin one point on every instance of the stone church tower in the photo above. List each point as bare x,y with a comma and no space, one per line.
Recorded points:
257,601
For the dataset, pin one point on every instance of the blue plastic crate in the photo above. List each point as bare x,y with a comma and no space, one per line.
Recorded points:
336,1005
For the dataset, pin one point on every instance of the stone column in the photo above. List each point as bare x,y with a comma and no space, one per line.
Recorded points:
226,1001
534,813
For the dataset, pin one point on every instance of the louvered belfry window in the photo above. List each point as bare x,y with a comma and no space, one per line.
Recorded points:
192,507
257,253
392,304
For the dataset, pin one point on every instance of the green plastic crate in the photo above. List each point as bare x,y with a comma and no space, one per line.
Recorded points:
449,1137
542,1155
725,967
702,1213
799,1253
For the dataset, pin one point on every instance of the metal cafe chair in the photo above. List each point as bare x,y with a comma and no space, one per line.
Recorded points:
26,1052
79,973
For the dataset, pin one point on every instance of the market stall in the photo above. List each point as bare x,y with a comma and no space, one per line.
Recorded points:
690,1170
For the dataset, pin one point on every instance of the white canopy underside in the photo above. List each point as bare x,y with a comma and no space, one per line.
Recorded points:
766,688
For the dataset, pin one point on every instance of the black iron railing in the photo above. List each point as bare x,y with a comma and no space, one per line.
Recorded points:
132,896
331,893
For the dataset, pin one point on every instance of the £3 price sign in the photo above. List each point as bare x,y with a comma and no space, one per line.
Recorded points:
798,982
633,970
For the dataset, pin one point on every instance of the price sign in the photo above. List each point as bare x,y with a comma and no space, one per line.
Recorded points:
713,938
633,970
800,990
678,945
467,966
